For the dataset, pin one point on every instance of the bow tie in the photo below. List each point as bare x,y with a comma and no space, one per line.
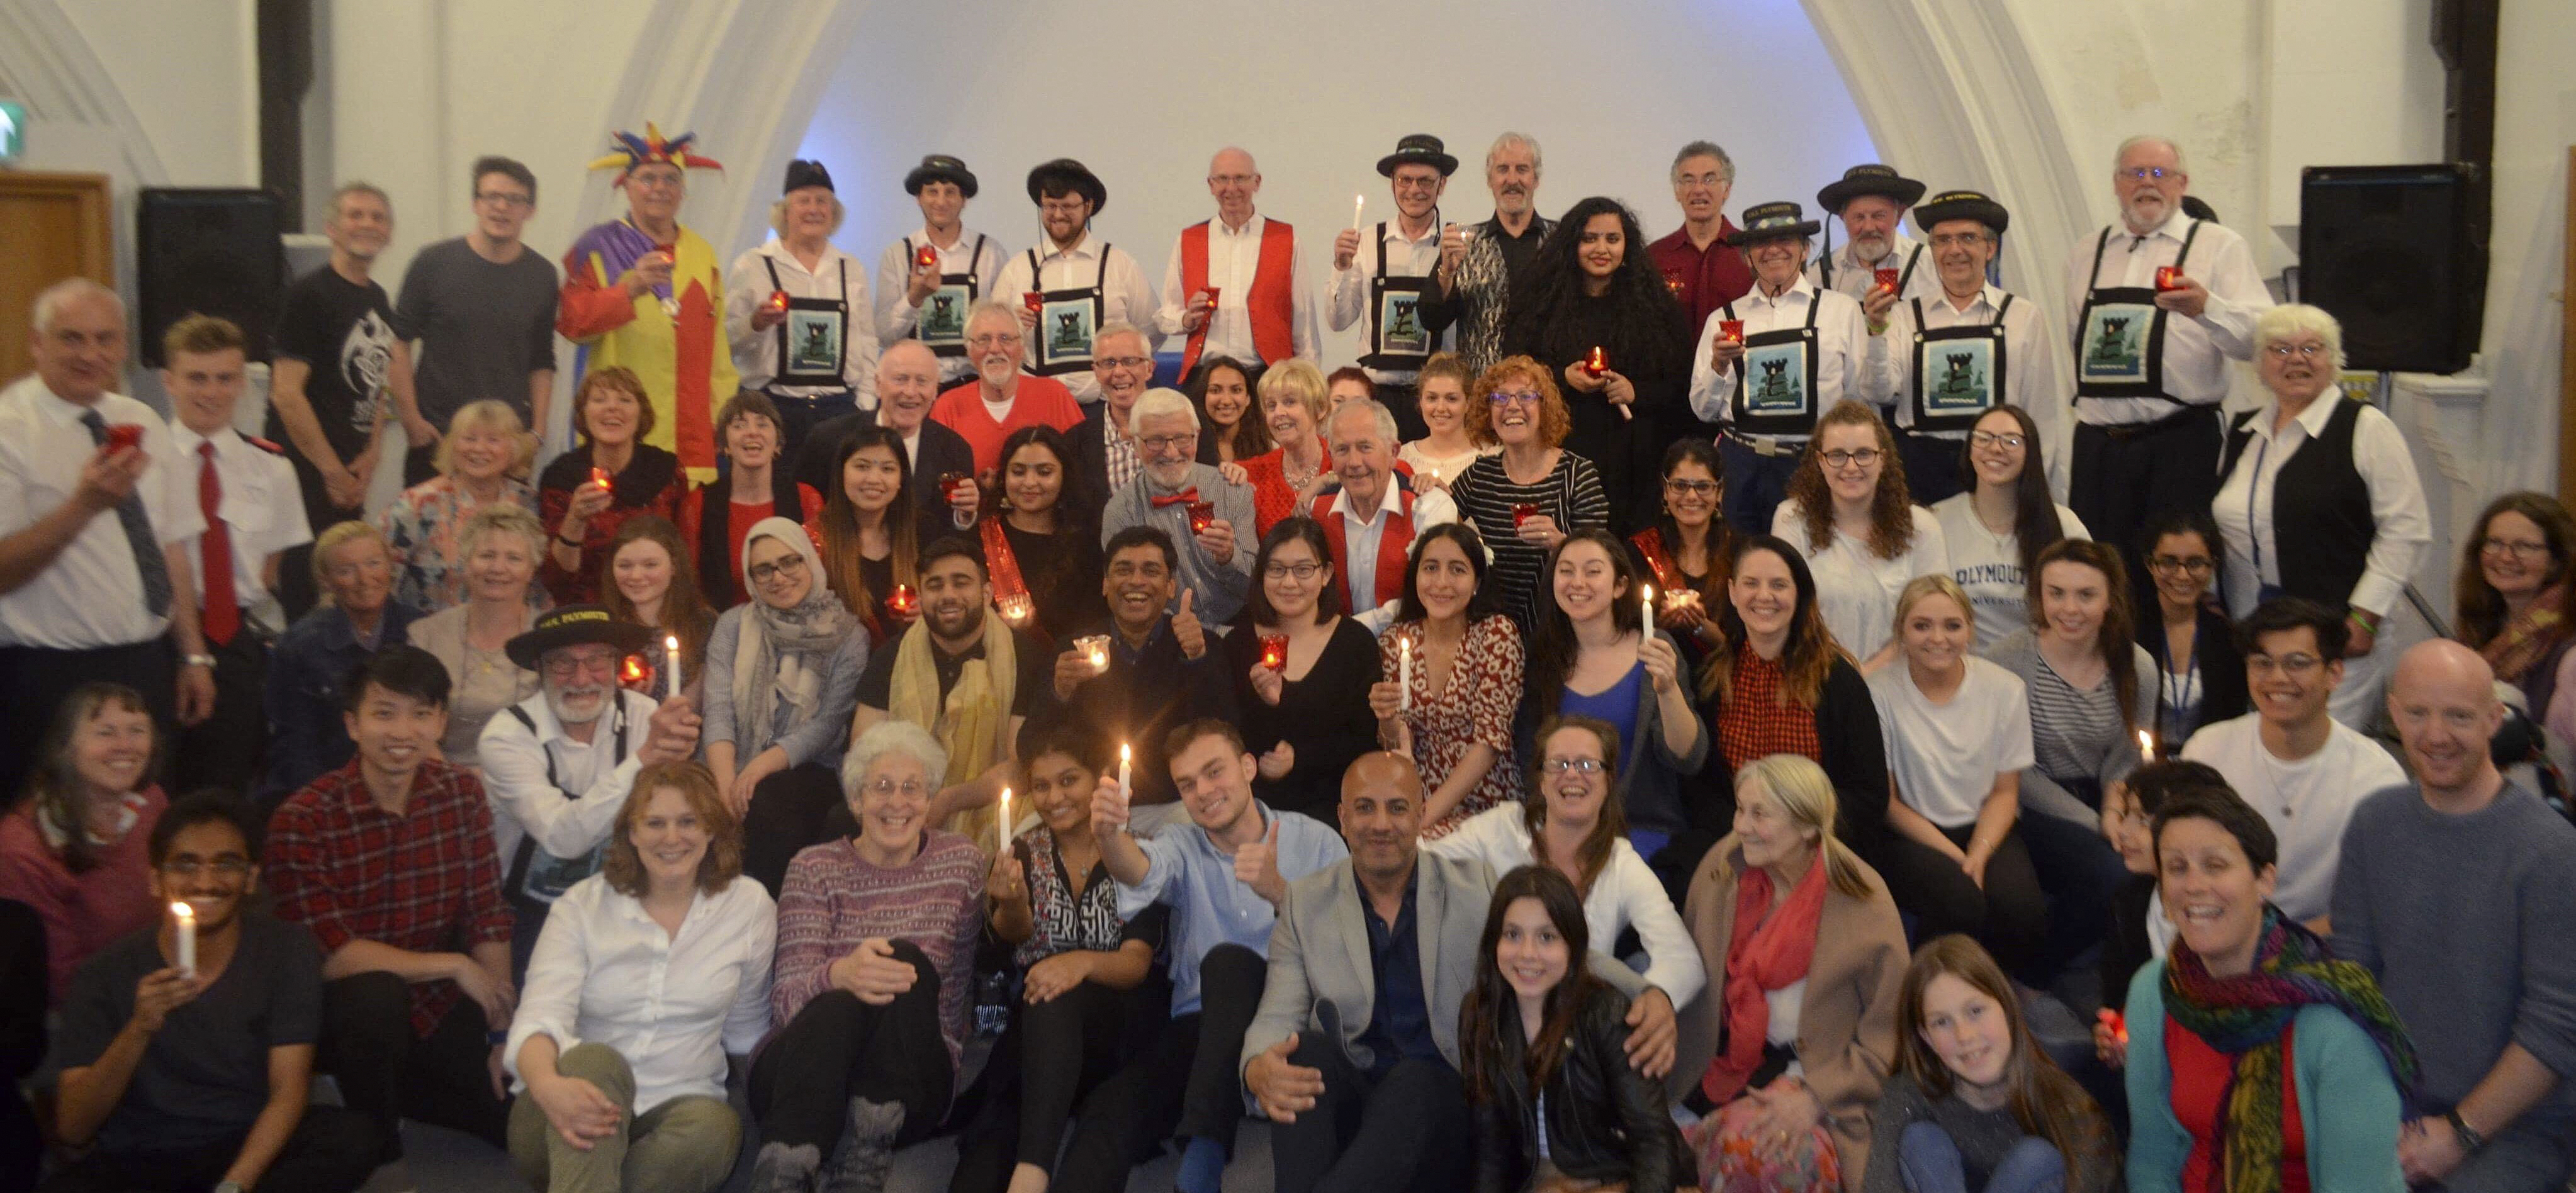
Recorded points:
1183,497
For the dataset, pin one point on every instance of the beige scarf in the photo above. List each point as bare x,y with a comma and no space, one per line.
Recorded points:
975,722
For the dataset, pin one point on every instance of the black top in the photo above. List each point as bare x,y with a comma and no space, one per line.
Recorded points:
941,449
1626,451
2125,949
1035,668
2222,670
1147,692
22,1002
1604,1122
204,1077
1062,571
1323,717
1855,758
2322,524
345,334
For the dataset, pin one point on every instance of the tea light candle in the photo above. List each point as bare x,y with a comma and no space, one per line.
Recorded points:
599,477
185,936
671,659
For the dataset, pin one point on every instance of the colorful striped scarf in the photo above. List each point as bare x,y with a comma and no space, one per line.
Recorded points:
2244,1017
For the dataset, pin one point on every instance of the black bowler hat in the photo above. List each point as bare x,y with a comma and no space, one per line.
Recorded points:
939,167
1063,174
1871,179
1418,149
1773,221
572,625
1962,205
802,173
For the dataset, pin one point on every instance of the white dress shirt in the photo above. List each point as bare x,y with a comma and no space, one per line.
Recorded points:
571,816
1856,591
92,594
1124,297
1234,256
836,274
1625,894
672,1004
1842,333
2308,802
1363,534
896,314
262,509
2030,363
1406,257
2244,509
2196,350
1856,278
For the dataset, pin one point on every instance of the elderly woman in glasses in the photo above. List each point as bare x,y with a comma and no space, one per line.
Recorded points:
2320,498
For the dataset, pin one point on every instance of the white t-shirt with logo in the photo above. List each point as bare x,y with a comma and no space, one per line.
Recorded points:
1988,566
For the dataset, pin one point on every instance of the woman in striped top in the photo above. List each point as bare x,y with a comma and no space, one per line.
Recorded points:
876,955
1527,498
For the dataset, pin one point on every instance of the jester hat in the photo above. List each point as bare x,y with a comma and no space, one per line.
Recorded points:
633,151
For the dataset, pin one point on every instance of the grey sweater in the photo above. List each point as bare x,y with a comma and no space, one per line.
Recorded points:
2109,761
2469,923
1983,1137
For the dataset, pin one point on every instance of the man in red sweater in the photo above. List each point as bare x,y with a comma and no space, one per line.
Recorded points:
1001,399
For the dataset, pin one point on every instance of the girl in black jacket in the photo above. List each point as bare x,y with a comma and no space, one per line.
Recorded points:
1539,1035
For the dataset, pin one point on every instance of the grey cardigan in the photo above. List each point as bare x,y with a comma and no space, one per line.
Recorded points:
2109,761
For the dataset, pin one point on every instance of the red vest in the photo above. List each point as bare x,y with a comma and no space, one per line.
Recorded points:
1271,302
1394,545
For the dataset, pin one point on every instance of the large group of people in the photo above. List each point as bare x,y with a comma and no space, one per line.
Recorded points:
1650,722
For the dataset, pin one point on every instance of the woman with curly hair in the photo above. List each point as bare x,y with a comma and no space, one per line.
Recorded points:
1849,514
1527,497
2514,604
1593,289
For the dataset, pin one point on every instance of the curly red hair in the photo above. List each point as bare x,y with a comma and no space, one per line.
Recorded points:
1554,424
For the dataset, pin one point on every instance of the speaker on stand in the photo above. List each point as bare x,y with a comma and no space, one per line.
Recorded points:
208,250
2389,252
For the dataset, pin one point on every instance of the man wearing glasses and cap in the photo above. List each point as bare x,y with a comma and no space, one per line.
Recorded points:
928,280
798,315
1074,283
1871,200
1385,275
1235,286
1768,363
1944,361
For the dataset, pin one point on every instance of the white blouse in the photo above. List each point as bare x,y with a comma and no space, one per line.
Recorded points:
1625,894
1855,590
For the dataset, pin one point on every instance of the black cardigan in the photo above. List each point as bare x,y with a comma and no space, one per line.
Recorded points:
1855,759
1324,717
2223,695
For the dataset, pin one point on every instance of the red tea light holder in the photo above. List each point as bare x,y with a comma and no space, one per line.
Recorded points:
1033,300
1274,651
1202,516
1732,330
1598,362
124,435
2169,277
1886,279
926,258
1522,513
1212,293
902,602
600,477
778,301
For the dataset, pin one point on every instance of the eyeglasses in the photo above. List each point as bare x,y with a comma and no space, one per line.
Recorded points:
1580,766
1990,439
1839,458
2519,550
568,665
1166,443
2293,664
2302,351
1947,240
2146,173
992,339
910,787
1303,571
223,867
1682,488
504,199
1231,179
1526,397
2198,565
1121,362
655,182
761,573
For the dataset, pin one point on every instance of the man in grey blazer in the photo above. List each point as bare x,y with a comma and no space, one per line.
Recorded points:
1354,1052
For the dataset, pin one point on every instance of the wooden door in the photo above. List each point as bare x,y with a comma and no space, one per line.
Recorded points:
55,226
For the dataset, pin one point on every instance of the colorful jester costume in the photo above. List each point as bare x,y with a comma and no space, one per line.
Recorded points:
672,335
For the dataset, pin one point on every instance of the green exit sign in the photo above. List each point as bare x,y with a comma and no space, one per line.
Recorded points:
13,131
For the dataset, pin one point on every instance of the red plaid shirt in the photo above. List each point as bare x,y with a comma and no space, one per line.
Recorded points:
427,881
1753,724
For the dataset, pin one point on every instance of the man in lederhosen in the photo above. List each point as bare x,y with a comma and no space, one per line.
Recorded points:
928,280
1390,284
1073,284
1942,362
1235,286
1870,200
1768,363
2160,302
798,315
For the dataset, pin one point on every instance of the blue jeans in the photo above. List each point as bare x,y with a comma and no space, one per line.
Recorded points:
1929,1163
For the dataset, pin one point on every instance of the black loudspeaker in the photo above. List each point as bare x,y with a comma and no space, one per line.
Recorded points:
2389,252
208,250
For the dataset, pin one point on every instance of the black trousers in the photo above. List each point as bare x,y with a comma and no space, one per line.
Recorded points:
1188,1082
1755,485
1405,403
2008,914
1407,1130
230,748
1052,1054
35,679
839,1048
386,1073
1932,465
2082,874
789,811
2121,477
798,416
333,1150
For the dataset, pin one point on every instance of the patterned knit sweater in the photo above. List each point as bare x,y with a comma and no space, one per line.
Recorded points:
833,899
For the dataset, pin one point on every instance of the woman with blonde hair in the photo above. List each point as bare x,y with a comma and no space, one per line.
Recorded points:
1293,404
502,545
482,460
1848,512
1805,958
1527,497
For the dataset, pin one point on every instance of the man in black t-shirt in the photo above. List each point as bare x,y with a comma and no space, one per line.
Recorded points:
482,307
978,708
188,1078
335,370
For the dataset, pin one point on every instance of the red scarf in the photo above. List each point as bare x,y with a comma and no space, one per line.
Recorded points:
1763,955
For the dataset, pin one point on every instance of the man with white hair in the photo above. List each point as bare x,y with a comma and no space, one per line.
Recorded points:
1478,262
1370,519
1236,286
798,316
339,376
907,385
1002,399
1699,261
1104,446
2160,302
96,512
1188,500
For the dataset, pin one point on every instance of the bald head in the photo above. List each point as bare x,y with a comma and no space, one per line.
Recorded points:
2443,700
1382,815
1234,180
907,383
2443,662
1382,771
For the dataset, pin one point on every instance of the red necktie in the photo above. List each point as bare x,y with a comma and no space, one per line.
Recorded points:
222,611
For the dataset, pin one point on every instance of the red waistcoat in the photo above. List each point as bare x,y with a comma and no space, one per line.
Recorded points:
1271,302
1394,544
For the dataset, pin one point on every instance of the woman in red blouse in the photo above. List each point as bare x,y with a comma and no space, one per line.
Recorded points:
588,492
1292,406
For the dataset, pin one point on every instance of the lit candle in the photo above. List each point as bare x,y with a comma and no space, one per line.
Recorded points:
186,936
1404,672
1006,819
1358,203
1646,602
2146,747
1123,760
671,655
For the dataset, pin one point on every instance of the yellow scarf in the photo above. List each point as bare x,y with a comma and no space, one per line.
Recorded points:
975,721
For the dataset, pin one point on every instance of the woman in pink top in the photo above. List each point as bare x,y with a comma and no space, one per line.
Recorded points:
74,848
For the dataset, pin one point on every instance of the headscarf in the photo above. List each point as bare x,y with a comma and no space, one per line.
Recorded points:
783,654
1762,956
2244,1017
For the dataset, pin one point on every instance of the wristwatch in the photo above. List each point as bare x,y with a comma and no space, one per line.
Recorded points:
197,660
2468,1136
